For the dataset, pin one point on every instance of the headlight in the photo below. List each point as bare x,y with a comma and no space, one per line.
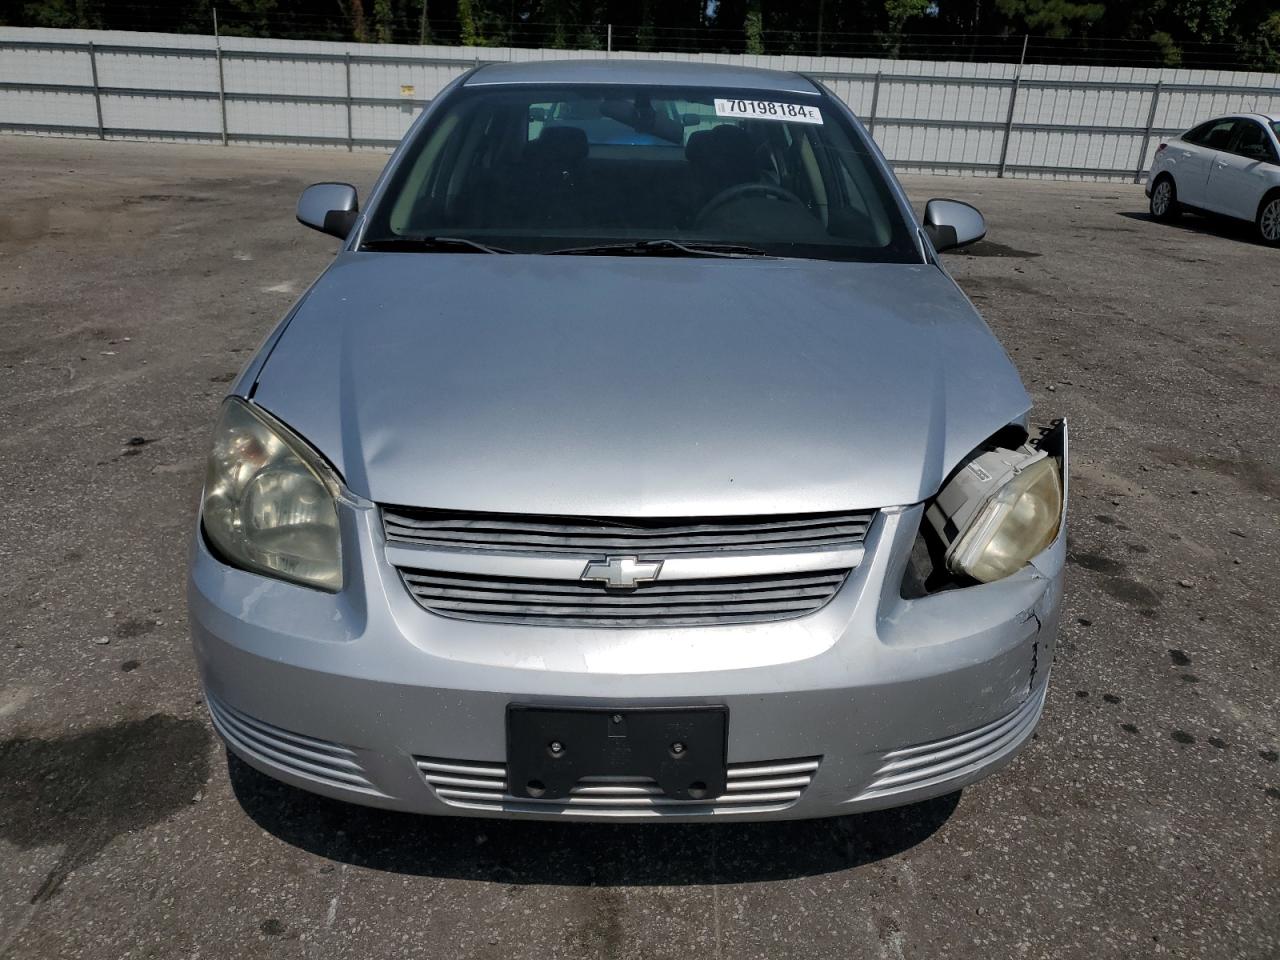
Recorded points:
998,511
269,501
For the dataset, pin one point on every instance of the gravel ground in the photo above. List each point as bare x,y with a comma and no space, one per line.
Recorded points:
1142,822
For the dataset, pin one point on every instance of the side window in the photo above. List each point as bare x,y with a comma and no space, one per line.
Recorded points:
1220,134
1252,142
1198,134
1218,131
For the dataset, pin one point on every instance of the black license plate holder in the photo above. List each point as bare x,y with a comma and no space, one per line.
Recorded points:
683,749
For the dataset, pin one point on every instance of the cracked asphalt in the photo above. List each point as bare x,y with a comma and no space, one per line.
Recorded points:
1141,822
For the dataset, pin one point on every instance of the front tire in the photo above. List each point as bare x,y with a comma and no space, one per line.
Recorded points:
1268,221
1164,200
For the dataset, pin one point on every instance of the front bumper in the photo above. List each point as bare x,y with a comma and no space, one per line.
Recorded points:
873,701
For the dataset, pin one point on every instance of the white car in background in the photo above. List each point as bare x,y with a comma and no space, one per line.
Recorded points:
1229,166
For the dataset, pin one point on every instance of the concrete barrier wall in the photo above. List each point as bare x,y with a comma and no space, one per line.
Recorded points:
947,117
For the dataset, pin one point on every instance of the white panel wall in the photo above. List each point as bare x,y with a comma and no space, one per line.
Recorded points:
940,116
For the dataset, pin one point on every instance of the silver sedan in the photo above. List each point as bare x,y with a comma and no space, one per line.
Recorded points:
635,458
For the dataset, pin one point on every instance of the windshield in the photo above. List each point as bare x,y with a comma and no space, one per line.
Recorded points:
539,169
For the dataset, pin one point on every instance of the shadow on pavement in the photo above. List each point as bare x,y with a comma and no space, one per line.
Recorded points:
579,854
1227,227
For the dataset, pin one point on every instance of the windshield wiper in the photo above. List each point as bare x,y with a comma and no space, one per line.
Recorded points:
431,245
665,248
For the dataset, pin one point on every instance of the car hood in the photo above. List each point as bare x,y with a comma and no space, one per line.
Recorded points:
641,386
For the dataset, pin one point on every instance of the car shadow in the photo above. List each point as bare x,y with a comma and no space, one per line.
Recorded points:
579,854
1207,223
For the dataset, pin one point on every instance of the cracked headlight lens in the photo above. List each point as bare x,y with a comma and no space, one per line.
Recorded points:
1015,523
269,501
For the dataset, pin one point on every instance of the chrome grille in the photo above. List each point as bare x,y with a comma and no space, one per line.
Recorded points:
308,757
581,603
643,537
751,788
929,764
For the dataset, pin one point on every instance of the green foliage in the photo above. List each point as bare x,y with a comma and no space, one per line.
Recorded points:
646,35
1245,32
1263,47
1051,18
468,25
900,11
383,21
1209,21
64,14
1170,52
753,27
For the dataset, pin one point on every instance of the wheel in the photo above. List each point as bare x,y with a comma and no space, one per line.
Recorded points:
1269,220
1164,200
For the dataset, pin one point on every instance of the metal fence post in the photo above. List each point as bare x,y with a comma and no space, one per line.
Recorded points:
1008,124
346,62
222,87
875,102
97,94
1141,165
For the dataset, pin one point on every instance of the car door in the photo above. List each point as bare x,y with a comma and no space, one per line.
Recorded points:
1239,176
1193,155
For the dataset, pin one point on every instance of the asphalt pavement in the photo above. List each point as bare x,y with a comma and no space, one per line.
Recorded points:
135,280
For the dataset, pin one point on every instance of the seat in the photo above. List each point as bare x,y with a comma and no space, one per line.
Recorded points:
538,189
561,148
720,158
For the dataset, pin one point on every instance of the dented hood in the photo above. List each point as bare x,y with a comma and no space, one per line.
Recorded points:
638,386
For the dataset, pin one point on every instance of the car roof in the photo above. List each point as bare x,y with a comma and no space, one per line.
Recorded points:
642,73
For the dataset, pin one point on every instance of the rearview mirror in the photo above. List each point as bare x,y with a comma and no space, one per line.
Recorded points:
951,224
331,208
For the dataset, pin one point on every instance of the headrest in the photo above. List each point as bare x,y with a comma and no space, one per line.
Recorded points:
558,145
722,145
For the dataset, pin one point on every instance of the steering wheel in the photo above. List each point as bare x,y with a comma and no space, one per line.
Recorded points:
740,190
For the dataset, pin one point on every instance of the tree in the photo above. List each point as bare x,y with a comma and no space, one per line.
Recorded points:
753,27
424,26
469,34
383,21
898,13
1051,18
1207,21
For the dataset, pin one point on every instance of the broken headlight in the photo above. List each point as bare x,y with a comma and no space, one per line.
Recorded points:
269,501
1000,509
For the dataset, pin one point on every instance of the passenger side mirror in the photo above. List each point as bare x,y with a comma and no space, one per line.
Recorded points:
951,224
331,208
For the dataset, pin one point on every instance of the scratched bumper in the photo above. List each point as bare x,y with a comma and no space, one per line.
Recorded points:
349,694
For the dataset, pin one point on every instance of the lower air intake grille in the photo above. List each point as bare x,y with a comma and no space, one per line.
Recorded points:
303,756
641,536
929,764
578,603
752,788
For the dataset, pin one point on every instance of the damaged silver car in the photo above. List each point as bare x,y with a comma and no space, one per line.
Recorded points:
635,458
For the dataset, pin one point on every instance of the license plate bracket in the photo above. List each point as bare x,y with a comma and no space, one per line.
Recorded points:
683,749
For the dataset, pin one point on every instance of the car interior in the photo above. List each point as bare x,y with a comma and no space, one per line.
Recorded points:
638,168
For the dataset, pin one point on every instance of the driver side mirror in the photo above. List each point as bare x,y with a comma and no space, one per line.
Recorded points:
331,208
951,224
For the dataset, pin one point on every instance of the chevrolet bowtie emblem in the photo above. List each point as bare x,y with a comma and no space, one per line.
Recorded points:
621,573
